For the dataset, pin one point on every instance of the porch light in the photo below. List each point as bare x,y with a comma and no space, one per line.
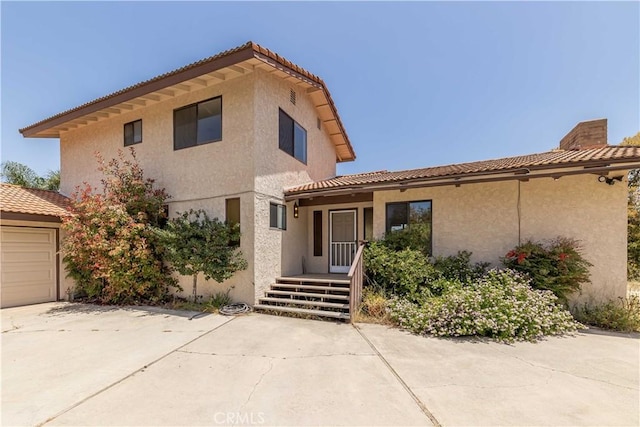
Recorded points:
296,209
611,180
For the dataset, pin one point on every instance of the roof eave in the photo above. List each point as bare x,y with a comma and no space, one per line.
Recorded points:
28,216
525,173
249,51
145,89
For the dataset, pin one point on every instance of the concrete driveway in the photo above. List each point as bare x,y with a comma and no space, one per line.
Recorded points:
69,364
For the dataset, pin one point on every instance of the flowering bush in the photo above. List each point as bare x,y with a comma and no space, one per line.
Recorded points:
557,266
111,247
501,305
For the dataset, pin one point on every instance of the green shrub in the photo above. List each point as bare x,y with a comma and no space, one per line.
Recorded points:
416,237
218,300
397,272
557,266
437,286
622,315
459,267
197,244
501,306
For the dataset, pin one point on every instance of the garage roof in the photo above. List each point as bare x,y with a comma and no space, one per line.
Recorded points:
31,201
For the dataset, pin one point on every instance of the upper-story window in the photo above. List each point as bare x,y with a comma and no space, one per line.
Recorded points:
133,133
197,124
293,138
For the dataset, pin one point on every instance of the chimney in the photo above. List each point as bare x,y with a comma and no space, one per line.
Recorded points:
585,135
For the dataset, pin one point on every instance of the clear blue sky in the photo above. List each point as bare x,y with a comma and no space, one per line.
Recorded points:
416,84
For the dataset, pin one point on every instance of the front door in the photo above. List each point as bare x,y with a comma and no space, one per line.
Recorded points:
342,239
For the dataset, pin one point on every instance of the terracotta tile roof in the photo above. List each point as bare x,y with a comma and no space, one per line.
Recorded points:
16,199
228,57
548,160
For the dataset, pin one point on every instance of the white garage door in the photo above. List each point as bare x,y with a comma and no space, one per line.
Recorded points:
28,265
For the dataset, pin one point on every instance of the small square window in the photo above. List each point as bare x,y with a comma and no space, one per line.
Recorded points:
277,216
133,133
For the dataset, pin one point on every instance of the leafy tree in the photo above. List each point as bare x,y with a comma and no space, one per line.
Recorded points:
631,140
52,180
198,244
111,247
633,215
21,174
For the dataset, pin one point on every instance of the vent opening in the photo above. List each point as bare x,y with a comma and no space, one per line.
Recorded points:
292,97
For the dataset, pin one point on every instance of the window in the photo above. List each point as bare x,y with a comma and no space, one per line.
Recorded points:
133,133
232,210
293,138
410,214
317,233
277,216
232,214
197,124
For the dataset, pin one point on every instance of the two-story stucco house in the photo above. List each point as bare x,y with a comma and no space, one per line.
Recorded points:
253,138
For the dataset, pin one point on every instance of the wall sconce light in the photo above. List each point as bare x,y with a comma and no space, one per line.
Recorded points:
608,180
296,209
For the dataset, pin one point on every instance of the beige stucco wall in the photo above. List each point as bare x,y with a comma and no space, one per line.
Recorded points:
274,168
199,177
590,211
483,219
294,243
246,163
280,252
204,171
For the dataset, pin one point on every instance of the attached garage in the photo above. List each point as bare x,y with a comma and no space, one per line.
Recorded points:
29,245
29,269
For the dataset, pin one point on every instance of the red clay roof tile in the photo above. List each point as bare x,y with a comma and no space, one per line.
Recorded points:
556,158
16,199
